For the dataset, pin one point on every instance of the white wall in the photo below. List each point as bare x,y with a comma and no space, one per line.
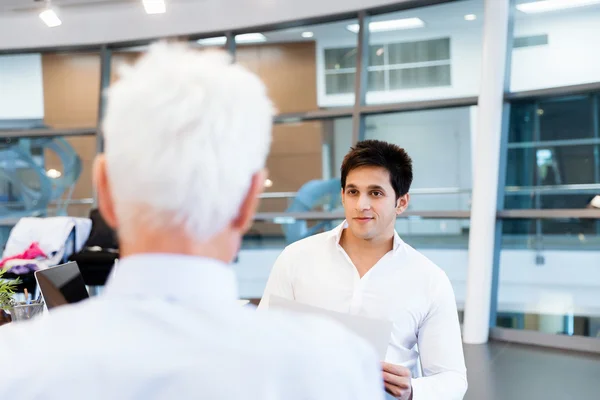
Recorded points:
21,88
570,58
568,283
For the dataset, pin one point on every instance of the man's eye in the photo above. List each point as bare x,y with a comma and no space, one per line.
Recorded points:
377,194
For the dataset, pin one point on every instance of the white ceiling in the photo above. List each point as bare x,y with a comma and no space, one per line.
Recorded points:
102,21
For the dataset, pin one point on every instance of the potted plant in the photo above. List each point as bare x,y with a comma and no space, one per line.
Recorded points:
7,290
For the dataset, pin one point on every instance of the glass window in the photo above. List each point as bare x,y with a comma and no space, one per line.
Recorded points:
304,68
302,153
439,143
46,176
545,277
561,55
562,118
555,165
427,53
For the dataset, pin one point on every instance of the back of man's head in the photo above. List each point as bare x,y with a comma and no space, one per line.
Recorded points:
185,133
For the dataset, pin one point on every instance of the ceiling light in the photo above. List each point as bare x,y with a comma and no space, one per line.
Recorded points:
307,34
54,174
268,183
553,5
243,38
250,38
213,41
154,6
470,17
50,18
391,25
379,52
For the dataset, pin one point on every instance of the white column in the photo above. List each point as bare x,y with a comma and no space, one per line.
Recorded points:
485,171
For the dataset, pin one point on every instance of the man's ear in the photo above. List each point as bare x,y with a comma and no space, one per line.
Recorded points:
402,204
249,205
103,192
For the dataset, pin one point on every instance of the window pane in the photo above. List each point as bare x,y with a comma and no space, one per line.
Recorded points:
376,80
340,83
340,58
377,55
545,277
300,153
522,122
421,51
566,59
557,165
566,118
421,77
439,143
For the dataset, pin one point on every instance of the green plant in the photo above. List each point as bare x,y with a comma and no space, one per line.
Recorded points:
7,290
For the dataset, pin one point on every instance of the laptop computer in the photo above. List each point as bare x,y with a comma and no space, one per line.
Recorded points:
62,284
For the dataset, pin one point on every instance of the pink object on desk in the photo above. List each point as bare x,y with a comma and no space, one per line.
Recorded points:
31,253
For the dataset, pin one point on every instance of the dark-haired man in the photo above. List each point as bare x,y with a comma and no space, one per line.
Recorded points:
362,267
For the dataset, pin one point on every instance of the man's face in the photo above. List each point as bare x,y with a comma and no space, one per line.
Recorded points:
370,203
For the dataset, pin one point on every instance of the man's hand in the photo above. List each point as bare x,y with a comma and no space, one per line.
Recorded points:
397,381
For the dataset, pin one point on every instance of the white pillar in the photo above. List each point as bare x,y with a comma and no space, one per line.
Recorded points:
485,171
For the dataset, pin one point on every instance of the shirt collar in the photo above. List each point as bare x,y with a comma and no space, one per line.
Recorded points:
174,277
336,234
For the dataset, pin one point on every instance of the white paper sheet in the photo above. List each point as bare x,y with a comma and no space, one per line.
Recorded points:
375,331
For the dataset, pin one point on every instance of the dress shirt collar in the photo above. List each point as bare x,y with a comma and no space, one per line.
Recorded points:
336,234
174,277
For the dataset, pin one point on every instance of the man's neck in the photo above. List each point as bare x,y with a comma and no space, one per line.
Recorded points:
222,247
380,244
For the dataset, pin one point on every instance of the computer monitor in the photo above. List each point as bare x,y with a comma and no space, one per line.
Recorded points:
61,285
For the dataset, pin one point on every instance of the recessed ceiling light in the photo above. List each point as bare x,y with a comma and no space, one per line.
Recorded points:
307,34
50,18
470,17
154,6
553,5
268,183
390,25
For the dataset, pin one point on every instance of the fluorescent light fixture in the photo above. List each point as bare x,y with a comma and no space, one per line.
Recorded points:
243,38
250,38
470,17
50,18
391,25
553,5
307,34
213,41
53,174
155,6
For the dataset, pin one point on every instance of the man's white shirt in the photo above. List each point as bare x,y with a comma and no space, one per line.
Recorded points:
170,327
404,287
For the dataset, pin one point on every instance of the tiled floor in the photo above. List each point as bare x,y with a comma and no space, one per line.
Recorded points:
505,371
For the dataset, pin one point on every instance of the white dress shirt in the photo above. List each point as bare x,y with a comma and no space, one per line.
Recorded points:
404,287
170,327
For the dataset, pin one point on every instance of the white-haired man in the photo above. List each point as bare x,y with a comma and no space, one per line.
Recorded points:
187,135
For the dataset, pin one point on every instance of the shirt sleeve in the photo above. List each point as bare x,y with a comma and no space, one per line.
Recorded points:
280,280
440,348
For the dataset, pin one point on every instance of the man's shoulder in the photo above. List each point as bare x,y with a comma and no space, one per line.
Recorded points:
422,263
320,241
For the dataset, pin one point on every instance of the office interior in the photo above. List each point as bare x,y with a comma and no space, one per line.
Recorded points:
496,101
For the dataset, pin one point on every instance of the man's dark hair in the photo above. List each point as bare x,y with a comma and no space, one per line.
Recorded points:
376,153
